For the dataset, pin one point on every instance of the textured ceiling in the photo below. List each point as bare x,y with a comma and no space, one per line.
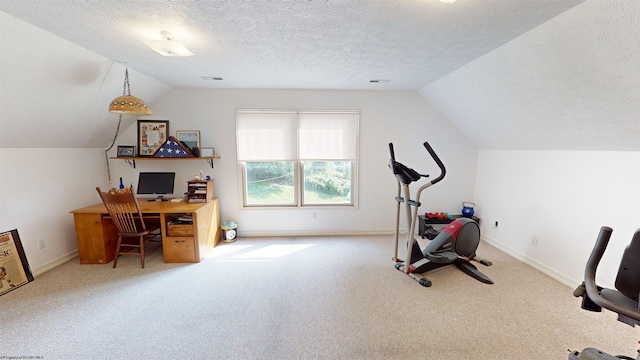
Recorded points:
293,44
571,84
509,74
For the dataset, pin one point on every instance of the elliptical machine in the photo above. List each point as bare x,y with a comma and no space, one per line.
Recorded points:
455,244
623,301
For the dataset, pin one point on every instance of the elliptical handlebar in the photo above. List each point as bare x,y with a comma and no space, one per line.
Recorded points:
404,174
407,175
590,277
435,158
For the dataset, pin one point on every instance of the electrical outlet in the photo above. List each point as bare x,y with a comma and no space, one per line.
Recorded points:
495,224
43,243
534,240
315,215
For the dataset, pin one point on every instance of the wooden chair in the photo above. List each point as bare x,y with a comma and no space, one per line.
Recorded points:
125,213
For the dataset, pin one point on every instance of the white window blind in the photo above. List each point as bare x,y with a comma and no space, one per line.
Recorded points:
290,136
331,136
266,136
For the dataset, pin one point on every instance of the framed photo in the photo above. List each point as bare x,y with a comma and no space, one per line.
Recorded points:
126,151
190,138
151,135
14,268
207,152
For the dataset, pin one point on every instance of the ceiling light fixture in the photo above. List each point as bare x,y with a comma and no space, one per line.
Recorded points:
127,104
448,1
169,45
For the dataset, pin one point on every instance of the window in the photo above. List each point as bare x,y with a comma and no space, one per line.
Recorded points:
297,158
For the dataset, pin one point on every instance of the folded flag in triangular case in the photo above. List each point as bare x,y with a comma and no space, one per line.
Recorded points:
172,148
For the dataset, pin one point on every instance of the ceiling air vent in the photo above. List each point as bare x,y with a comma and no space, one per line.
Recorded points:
210,78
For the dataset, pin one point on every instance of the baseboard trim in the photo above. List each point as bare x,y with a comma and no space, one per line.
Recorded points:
37,271
572,283
54,263
277,233
288,233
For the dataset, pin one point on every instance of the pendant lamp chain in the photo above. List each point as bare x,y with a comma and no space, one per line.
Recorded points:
106,152
126,88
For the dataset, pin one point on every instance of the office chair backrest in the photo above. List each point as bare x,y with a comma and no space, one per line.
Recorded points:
124,211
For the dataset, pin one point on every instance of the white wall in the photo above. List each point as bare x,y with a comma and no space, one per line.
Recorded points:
38,188
58,92
563,198
403,118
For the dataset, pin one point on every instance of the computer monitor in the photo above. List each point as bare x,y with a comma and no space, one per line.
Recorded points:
156,183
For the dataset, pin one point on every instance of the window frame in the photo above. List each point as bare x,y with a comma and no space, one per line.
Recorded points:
302,184
299,185
245,185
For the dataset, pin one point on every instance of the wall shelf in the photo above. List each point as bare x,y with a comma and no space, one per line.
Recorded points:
132,160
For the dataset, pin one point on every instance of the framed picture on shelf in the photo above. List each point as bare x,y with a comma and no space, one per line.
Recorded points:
126,151
207,152
151,135
190,138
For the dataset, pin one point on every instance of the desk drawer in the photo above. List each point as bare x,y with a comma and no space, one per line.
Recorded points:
180,230
179,249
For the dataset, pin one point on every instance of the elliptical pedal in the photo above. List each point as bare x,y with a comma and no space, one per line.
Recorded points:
471,270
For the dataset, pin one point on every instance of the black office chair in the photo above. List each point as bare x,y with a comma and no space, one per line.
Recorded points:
125,212
623,301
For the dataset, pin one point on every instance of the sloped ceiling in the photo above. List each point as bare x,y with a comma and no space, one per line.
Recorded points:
55,94
54,57
293,44
571,84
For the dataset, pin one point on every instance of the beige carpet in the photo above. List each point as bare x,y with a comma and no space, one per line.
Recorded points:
300,298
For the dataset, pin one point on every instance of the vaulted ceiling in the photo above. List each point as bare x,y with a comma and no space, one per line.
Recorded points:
293,44
452,53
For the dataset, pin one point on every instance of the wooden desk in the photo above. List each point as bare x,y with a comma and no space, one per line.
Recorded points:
97,235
